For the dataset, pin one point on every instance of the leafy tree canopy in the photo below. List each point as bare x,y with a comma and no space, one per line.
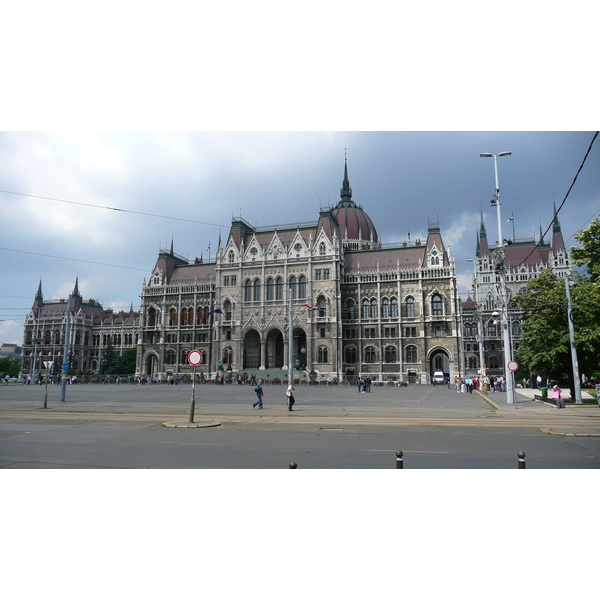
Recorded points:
589,252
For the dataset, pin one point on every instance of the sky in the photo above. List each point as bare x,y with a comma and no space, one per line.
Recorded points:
403,180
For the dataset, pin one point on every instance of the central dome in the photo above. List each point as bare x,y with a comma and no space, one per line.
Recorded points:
356,228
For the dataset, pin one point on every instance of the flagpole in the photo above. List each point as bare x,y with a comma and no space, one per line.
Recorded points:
513,224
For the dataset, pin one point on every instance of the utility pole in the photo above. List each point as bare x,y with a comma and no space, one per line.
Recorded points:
576,378
63,381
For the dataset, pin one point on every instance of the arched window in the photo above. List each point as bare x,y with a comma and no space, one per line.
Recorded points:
257,290
516,328
47,336
151,317
410,307
199,315
270,289
279,289
184,357
231,256
394,308
173,317
493,362
373,309
205,315
248,291
390,354
302,287
491,329
350,354
411,354
436,305
227,310
385,309
350,308
57,337
77,338
322,304
435,259
473,362
170,357
323,354
86,338
370,355
365,309
322,249
293,287
184,316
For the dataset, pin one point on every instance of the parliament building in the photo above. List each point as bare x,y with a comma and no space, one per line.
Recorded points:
358,306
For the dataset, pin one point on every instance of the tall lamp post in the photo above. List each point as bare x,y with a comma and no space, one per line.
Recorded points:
479,336
495,201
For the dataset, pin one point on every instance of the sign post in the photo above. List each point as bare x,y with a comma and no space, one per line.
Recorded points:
194,358
48,364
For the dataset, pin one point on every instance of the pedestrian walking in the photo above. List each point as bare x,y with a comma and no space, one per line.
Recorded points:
557,396
259,394
367,384
290,396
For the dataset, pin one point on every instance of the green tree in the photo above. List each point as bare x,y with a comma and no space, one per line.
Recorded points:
589,252
545,348
128,360
10,366
110,363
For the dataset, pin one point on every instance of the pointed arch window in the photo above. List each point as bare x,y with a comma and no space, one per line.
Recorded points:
302,287
173,317
350,308
257,290
491,329
435,259
391,354
322,249
493,362
270,289
436,305
394,308
350,355
279,289
248,291
231,256
373,309
322,304
323,354
370,355
293,287
365,309
385,309
410,307
411,354
151,317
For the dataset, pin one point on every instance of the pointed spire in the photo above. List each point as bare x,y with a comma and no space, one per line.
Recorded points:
76,288
39,295
482,232
131,308
556,225
346,190
171,245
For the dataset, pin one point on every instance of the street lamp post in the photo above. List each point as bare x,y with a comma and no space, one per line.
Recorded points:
479,336
510,394
229,352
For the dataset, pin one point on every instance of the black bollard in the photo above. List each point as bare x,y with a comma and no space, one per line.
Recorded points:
293,466
521,456
399,461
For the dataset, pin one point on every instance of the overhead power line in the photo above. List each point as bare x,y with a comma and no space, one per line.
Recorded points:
564,199
135,212
75,259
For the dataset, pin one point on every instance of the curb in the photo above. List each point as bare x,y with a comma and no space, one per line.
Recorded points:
488,400
549,431
187,425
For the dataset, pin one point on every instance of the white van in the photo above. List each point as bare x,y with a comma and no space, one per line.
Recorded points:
438,377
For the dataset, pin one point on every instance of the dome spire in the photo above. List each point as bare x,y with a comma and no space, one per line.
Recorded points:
346,190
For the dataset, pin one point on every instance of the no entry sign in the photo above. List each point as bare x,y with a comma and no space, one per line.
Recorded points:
512,365
195,358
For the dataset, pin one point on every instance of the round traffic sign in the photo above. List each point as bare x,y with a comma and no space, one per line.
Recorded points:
195,358
512,365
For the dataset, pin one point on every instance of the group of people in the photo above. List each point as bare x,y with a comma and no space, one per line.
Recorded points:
484,383
258,390
363,385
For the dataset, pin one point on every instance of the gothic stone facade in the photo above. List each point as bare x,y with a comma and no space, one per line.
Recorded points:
390,312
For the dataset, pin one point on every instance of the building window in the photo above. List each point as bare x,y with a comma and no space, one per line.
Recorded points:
293,287
234,280
370,332
390,332
370,355
411,354
436,305
437,330
322,355
322,332
231,257
270,289
302,287
410,332
385,309
151,318
473,362
257,290
516,328
325,274
410,307
390,354
226,281
373,309
318,275
493,362
322,249
170,357
435,259
365,309
279,289
491,329
351,355
248,291
350,309
394,308
172,317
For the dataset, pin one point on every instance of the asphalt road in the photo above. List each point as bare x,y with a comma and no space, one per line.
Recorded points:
122,426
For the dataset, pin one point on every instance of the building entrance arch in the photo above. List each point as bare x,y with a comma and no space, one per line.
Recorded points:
439,361
252,349
151,365
274,358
